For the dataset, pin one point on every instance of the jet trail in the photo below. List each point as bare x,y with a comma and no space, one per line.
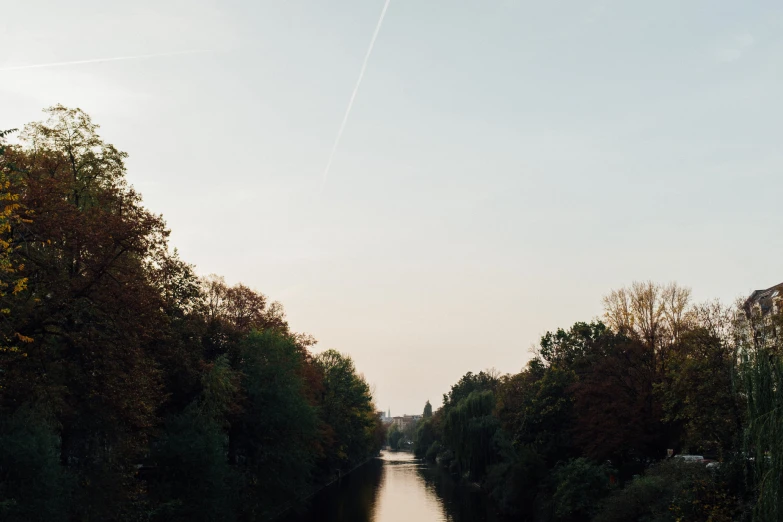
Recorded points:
95,60
355,90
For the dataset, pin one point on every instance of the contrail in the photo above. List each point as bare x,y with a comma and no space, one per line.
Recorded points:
95,60
355,90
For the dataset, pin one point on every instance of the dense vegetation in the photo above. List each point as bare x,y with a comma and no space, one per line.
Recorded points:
130,388
582,432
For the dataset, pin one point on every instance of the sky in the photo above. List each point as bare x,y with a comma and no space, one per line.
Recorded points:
504,165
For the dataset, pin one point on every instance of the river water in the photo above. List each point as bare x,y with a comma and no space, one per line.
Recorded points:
397,488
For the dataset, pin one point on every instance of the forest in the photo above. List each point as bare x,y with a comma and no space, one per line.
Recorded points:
131,388
591,428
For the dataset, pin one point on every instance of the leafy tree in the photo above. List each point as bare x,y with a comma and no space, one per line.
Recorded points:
395,438
426,436
277,431
469,428
12,281
617,415
567,349
158,395
761,370
347,408
33,484
89,304
699,395
535,408
194,480
483,381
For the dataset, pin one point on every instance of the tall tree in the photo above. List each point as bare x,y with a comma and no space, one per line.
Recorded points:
347,409
89,305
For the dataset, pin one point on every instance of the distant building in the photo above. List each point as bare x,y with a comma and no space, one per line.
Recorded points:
764,302
385,418
763,311
405,421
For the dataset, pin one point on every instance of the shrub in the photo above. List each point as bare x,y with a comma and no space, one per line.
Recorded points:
579,487
672,490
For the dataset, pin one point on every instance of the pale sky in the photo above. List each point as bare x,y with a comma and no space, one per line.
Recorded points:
505,163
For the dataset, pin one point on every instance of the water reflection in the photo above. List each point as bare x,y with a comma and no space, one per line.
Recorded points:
397,488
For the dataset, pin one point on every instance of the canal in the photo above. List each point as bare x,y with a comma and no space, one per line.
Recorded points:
397,488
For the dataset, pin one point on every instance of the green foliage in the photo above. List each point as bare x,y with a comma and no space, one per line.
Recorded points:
698,393
671,491
33,484
646,499
567,348
483,381
279,427
515,482
433,451
578,487
170,397
469,428
762,372
194,480
395,438
426,436
535,408
347,408
167,396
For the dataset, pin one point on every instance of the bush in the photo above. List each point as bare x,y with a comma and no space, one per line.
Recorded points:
579,487
646,499
672,490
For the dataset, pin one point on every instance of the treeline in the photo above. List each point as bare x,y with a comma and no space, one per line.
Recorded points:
583,432
130,388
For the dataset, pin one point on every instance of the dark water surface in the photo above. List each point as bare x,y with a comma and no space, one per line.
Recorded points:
397,488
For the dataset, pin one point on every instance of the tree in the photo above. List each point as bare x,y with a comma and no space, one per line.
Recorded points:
616,415
468,383
426,435
90,304
130,389
569,349
535,408
33,484
699,395
276,434
395,438
469,428
655,314
12,281
427,410
347,409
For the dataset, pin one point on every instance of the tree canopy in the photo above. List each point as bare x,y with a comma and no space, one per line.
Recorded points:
132,388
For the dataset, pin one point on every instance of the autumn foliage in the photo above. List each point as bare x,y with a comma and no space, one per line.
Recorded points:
153,393
582,432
